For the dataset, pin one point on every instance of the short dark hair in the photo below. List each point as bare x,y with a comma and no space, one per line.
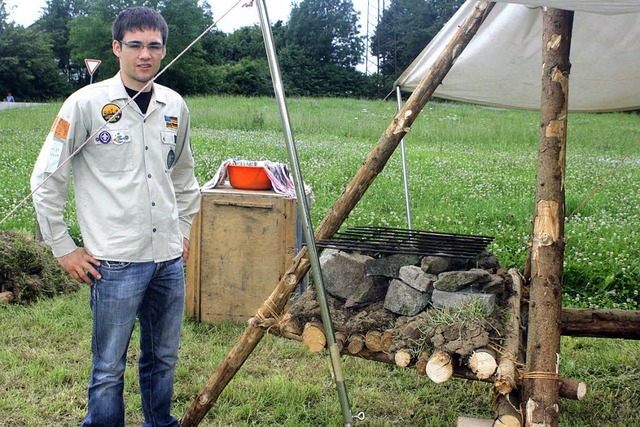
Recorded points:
139,19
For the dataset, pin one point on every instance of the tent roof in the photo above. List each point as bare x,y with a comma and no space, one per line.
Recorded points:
501,66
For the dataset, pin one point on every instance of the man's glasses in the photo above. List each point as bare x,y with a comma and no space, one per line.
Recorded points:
137,46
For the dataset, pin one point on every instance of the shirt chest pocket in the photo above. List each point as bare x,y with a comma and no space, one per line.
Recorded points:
114,151
169,140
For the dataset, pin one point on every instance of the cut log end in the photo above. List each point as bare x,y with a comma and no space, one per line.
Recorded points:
572,389
473,422
440,367
313,337
356,344
403,358
483,363
504,385
507,410
507,421
373,340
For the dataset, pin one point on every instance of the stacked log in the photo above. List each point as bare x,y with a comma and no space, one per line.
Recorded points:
341,340
483,363
402,357
356,344
440,367
313,337
421,363
373,340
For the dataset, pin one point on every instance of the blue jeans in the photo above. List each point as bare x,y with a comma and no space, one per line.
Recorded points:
155,293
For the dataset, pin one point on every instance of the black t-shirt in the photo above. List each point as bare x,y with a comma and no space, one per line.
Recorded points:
142,100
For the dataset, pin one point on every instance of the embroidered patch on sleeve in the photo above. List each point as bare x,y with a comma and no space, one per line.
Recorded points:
60,128
172,122
55,152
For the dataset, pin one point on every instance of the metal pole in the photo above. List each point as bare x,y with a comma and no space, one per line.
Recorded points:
405,175
303,210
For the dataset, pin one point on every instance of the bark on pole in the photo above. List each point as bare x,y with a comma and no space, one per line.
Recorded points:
373,165
586,322
506,375
541,385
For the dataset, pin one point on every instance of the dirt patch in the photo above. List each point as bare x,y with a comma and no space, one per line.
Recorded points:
461,338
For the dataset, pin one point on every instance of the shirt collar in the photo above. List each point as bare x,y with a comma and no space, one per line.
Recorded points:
118,91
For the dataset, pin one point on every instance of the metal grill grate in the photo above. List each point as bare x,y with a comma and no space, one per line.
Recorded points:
375,240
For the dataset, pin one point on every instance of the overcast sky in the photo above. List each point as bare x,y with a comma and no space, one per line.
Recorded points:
25,12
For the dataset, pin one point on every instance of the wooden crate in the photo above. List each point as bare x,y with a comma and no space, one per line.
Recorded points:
241,244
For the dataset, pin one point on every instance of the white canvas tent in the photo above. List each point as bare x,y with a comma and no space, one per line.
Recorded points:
501,65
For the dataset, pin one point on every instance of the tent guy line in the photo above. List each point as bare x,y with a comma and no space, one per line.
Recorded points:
72,155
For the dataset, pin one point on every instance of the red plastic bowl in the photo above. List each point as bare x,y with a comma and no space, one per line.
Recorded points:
248,177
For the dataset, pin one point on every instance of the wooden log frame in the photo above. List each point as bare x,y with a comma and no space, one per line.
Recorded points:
541,385
373,165
584,322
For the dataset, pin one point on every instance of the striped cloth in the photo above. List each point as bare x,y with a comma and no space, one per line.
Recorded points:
278,174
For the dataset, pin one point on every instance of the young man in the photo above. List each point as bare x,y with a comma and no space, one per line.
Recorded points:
135,197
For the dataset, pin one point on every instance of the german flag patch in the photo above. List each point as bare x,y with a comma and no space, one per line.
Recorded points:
172,122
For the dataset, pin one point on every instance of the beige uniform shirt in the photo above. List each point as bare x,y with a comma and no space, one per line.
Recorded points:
134,185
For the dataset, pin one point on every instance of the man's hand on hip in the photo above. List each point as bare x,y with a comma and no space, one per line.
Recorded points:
185,249
78,263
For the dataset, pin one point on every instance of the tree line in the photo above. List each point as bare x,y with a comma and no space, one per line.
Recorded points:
319,48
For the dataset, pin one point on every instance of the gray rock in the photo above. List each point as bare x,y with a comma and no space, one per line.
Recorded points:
413,276
452,281
404,300
389,266
370,291
343,272
497,285
443,299
487,260
439,264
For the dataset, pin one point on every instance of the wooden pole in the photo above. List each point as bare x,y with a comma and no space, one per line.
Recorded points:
506,375
373,165
586,322
541,386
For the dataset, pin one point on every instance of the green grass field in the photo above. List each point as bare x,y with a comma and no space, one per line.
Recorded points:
471,170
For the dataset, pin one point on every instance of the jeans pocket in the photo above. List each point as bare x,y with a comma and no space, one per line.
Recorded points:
114,265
